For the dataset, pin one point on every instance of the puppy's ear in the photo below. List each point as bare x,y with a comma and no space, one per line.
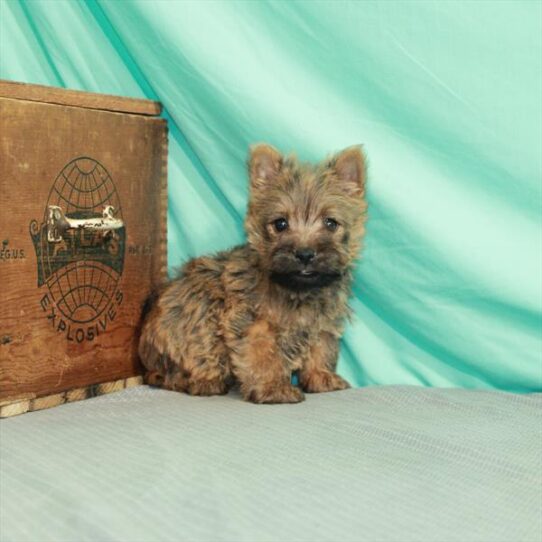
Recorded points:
350,168
264,164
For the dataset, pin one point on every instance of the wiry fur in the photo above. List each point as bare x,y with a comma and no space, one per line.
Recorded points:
250,314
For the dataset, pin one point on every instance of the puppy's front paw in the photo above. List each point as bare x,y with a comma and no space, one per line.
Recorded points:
278,393
321,381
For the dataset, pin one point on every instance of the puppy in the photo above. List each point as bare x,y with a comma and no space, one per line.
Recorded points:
258,312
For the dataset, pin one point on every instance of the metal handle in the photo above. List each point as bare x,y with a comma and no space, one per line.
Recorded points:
58,222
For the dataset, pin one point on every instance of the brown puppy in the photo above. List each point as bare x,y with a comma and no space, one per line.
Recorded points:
277,304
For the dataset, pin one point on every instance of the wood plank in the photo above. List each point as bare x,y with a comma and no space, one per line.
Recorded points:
77,98
19,406
49,401
14,409
77,394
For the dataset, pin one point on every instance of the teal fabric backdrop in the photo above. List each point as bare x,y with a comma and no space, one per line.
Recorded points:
446,98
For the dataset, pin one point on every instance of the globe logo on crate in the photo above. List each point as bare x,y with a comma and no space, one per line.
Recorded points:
80,247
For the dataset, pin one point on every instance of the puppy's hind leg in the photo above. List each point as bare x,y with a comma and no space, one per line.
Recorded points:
207,359
154,378
162,371
182,337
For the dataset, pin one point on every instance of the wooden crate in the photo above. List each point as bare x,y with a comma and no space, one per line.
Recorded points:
83,240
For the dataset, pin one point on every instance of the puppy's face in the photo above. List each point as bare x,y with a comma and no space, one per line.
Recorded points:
306,221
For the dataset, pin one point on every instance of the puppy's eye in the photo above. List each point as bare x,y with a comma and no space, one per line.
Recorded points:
280,224
331,224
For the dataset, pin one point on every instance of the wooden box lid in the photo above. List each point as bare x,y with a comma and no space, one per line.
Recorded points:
77,98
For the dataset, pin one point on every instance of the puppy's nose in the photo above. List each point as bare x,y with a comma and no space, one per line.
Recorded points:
305,255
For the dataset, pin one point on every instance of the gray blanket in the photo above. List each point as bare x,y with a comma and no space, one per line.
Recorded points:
380,464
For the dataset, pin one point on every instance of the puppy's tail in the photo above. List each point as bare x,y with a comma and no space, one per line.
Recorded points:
149,303
148,354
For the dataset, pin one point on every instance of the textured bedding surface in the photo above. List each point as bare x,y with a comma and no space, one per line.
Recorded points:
378,464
